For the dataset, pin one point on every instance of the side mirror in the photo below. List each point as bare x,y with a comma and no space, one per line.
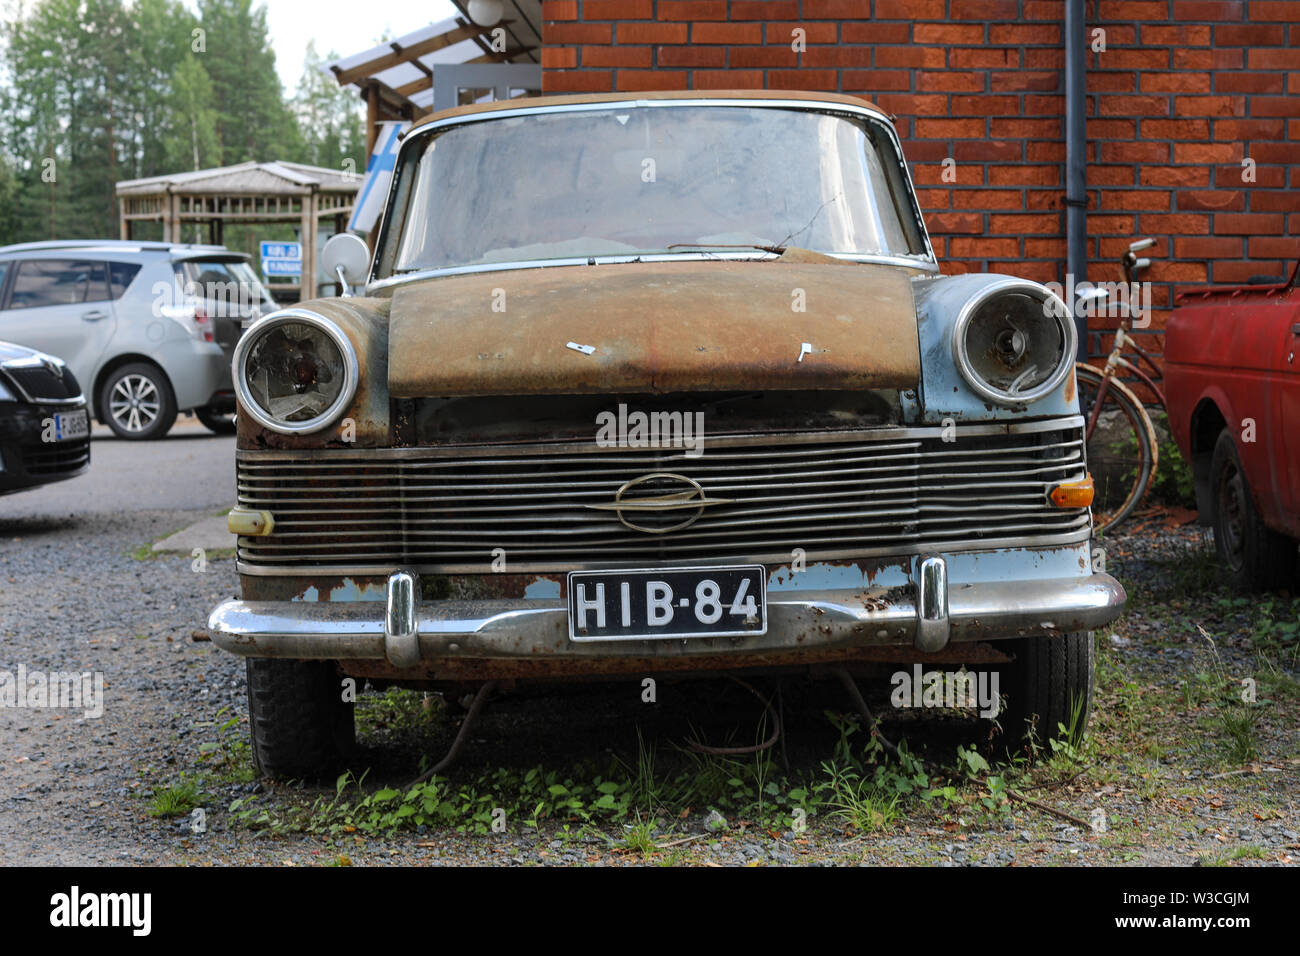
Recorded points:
347,256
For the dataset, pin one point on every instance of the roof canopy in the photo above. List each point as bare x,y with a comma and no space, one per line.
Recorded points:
262,179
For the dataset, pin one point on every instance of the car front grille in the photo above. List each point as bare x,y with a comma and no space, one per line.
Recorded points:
831,494
38,383
56,458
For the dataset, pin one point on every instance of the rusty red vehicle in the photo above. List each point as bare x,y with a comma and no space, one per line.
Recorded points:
1233,386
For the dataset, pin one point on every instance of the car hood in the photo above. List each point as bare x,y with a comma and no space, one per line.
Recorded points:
10,352
656,328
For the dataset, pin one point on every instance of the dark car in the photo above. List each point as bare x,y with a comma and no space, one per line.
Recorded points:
44,423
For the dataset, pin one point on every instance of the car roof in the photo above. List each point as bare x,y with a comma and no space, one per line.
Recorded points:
541,102
119,247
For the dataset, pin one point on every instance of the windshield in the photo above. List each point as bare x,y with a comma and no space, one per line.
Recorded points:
649,180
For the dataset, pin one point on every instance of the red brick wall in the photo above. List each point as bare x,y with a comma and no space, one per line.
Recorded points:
1184,91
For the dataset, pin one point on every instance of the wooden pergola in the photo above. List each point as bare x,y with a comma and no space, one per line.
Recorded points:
396,79
188,203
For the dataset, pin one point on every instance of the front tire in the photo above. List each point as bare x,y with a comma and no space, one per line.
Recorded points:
299,723
1253,556
1048,685
136,401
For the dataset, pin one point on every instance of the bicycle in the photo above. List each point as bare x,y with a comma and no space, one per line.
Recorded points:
1122,449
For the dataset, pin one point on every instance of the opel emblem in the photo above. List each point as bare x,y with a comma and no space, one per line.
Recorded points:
663,495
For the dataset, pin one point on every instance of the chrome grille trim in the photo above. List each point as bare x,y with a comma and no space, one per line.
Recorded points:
837,495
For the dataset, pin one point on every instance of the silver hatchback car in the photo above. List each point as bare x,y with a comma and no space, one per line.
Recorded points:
148,328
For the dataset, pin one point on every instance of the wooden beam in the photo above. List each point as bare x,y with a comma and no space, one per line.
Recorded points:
402,54
372,118
308,236
415,86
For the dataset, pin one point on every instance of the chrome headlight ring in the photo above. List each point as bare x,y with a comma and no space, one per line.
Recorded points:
1052,310
348,354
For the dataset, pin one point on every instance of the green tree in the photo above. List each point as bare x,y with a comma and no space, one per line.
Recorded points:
331,118
161,50
191,141
66,62
96,91
253,120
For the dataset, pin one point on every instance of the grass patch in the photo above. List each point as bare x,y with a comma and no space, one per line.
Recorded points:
862,789
229,758
861,804
175,800
1238,725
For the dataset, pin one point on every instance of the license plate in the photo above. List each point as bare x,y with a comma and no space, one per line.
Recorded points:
70,425
667,603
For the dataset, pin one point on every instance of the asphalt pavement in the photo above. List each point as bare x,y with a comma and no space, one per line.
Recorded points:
189,469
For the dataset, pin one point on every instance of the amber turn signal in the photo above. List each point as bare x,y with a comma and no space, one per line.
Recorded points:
1073,494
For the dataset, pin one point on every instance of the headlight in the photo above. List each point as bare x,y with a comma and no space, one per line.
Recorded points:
1015,343
295,372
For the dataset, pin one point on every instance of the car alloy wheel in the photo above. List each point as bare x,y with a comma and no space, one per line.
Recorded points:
134,403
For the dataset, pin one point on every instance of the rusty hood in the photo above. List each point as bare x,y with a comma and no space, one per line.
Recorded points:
802,321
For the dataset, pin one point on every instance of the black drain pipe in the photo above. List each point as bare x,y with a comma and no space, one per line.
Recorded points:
1076,193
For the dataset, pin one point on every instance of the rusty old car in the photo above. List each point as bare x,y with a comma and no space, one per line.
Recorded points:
655,384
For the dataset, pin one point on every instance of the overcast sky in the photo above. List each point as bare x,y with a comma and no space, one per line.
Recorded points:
344,26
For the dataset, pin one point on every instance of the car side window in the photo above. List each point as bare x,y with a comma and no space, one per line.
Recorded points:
4,271
120,275
45,282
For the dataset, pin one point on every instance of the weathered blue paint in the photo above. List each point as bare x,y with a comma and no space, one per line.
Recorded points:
964,567
349,590
543,589
944,393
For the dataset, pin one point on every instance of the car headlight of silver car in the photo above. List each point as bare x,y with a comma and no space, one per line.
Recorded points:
295,372
1014,343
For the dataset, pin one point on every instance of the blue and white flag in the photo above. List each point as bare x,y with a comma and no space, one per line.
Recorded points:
379,174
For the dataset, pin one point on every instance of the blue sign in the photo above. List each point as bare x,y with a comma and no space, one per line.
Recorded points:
282,258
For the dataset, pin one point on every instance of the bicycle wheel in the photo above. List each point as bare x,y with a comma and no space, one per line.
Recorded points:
1122,450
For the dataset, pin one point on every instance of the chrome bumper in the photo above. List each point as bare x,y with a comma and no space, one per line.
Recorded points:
405,631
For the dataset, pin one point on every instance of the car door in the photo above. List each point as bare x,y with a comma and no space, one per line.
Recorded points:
62,307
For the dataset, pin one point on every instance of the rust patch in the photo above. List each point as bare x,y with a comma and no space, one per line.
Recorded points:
656,328
481,587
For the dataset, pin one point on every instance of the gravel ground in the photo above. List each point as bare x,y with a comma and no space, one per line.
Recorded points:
78,791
